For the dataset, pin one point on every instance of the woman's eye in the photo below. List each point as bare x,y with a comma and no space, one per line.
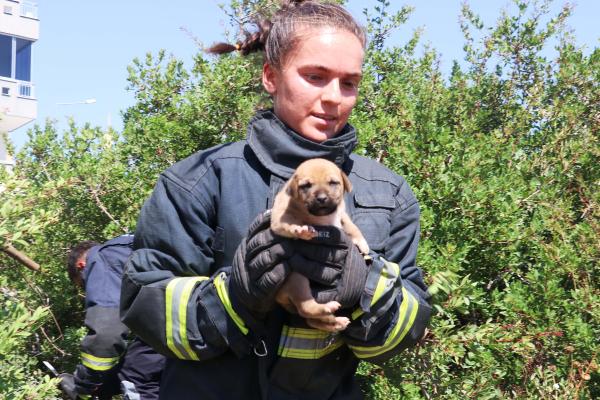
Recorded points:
349,84
314,78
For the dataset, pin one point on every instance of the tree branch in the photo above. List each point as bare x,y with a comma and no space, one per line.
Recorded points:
104,210
20,257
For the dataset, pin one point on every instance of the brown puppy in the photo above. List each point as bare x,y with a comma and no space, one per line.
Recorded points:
314,195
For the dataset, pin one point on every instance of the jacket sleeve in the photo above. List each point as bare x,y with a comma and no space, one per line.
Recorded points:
106,339
394,309
168,297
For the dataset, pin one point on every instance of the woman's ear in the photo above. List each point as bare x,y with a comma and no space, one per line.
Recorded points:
269,79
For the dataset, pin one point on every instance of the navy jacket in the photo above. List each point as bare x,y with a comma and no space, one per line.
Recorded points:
175,296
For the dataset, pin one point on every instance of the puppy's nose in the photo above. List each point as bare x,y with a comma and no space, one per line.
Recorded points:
322,198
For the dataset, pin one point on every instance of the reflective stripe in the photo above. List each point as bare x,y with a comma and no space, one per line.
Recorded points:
178,294
406,318
307,344
129,391
387,278
98,363
219,282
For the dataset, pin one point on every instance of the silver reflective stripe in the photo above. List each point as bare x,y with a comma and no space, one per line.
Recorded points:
129,391
388,277
177,295
308,344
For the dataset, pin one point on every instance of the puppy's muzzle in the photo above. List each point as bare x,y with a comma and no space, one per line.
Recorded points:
321,205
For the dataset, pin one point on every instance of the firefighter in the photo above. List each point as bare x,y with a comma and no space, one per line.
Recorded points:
110,364
201,284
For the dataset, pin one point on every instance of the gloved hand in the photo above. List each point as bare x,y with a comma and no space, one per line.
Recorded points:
67,385
260,266
334,265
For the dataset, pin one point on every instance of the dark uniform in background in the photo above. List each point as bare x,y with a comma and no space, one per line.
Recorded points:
109,364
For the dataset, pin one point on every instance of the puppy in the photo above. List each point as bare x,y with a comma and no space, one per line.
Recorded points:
314,195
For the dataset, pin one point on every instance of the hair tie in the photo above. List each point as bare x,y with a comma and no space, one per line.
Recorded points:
238,46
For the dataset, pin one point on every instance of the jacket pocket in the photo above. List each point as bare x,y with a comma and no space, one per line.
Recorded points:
372,216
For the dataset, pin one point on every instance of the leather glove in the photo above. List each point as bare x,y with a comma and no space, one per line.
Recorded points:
67,385
260,266
334,265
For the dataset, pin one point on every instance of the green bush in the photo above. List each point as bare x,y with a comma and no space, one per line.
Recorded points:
19,376
503,156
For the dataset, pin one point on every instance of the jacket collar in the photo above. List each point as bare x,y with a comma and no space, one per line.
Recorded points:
281,150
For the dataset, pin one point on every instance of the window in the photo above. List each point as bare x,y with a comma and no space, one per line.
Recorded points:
29,9
24,90
5,56
23,72
5,91
22,59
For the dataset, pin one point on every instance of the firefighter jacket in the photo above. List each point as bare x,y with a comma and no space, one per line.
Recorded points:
175,297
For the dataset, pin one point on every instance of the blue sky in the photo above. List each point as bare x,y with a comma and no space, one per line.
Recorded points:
85,46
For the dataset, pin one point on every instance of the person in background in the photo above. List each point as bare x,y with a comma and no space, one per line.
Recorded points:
109,364
201,284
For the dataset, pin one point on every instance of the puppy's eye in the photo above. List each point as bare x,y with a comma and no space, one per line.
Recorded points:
305,186
334,183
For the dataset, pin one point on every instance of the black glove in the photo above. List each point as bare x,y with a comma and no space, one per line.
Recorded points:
67,385
259,267
334,265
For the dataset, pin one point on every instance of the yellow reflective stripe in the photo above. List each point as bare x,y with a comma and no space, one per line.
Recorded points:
98,363
177,296
185,297
304,333
169,317
389,274
307,344
219,282
309,354
406,318
101,359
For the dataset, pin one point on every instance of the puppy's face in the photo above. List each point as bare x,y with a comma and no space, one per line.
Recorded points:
319,186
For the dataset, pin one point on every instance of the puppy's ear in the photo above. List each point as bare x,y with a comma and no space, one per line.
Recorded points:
346,181
292,187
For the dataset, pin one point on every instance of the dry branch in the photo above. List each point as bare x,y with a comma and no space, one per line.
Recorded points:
20,257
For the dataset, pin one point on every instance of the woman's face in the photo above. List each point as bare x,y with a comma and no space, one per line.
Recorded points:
316,88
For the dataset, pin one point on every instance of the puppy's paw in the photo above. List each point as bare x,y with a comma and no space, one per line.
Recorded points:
305,232
335,325
341,323
362,245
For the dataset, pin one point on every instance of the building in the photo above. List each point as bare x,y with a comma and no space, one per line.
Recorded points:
19,29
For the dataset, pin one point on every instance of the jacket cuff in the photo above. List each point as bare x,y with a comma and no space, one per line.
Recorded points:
227,317
393,315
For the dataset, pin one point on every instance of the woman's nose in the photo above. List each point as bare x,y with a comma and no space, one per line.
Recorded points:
331,92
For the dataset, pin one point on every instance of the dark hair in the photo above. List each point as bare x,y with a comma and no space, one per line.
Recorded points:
74,254
278,36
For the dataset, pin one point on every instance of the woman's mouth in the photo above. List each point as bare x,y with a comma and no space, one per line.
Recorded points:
325,117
